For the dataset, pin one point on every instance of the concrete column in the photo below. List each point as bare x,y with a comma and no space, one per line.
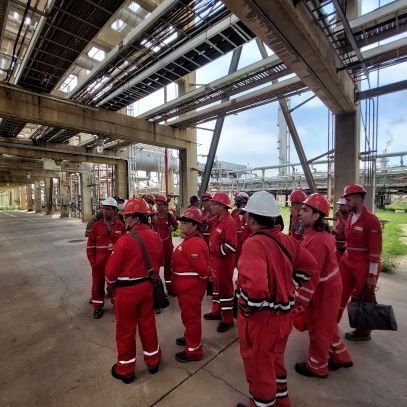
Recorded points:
30,202
48,195
188,174
37,196
189,157
86,203
121,185
64,194
346,151
23,197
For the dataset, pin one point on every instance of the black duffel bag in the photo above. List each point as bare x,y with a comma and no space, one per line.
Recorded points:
365,315
160,298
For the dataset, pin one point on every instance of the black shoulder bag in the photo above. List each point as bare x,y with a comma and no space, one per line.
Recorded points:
160,298
364,315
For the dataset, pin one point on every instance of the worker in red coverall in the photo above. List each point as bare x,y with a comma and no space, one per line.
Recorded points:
240,217
206,200
165,225
190,267
194,202
126,269
104,234
296,229
152,217
339,228
222,261
267,298
326,349
361,264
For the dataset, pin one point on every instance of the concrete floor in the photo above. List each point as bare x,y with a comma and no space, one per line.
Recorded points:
53,353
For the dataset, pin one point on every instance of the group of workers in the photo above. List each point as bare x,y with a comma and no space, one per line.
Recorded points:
304,279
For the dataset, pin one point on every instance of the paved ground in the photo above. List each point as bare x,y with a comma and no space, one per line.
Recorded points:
54,354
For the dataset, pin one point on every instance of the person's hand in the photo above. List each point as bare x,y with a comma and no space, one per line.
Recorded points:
371,281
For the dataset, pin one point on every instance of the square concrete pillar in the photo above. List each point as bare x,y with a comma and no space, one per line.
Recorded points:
30,201
23,197
346,151
188,162
64,194
86,203
48,195
121,184
37,197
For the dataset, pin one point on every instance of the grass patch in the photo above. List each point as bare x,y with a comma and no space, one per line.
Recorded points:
397,206
393,247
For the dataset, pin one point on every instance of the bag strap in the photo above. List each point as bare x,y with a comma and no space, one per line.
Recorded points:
283,249
147,260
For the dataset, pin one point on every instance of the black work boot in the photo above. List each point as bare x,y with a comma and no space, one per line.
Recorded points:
302,369
124,379
180,341
98,313
224,326
357,336
212,317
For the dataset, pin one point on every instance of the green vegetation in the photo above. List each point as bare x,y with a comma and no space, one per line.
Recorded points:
397,206
393,246
392,242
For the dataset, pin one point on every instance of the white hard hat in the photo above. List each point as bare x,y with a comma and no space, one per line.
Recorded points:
264,204
109,202
341,201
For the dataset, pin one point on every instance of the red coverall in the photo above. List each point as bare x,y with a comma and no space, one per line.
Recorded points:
99,247
363,250
222,261
296,229
340,236
190,268
240,217
265,287
207,225
163,228
322,313
134,303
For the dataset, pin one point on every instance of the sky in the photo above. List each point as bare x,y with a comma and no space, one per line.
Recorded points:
250,137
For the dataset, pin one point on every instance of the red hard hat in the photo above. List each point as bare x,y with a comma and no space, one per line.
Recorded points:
161,198
298,195
136,205
222,198
319,203
206,195
149,197
353,189
192,214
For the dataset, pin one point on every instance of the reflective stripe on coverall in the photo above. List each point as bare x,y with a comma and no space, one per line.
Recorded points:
190,265
363,249
99,247
222,261
322,313
266,289
134,304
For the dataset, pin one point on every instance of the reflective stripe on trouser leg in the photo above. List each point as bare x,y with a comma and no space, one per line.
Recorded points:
322,325
148,333
190,293
263,356
338,352
225,268
168,250
354,272
98,286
